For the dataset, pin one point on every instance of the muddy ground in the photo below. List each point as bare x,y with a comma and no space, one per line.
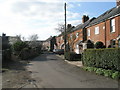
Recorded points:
15,74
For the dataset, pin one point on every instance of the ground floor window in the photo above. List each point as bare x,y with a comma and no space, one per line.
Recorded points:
112,43
119,43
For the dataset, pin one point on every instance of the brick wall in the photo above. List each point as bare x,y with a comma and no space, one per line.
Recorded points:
112,35
97,37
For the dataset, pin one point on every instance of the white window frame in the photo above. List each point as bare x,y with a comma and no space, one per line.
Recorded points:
71,36
97,30
61,38
112,25
77,35
88,32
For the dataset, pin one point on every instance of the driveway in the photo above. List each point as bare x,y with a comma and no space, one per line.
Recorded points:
50,71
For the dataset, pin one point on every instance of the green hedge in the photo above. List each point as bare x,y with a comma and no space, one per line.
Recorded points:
102,58
71,56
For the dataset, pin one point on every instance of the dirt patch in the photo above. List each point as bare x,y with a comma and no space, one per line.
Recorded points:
15,74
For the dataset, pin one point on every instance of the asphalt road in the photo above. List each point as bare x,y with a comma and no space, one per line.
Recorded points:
50,71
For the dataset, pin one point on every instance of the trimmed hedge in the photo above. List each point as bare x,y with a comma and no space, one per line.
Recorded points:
102,58
71,56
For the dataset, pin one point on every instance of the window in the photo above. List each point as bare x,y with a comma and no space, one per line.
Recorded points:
119,43
88,32
112,43
71,36
96,30
77,34
103,27
112,24
61,38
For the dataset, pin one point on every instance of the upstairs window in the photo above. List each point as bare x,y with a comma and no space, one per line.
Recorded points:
112,25
61,38
88,32
96,30
77,34
71,36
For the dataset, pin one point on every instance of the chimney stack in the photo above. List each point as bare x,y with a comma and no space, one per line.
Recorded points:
85,18
118,2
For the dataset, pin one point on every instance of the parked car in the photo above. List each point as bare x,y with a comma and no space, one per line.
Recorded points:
58,51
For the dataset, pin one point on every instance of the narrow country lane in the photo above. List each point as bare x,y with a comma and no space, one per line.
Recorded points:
50,71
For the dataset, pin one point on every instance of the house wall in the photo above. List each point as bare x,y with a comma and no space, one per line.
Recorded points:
75,40
97,37
60,42
112,35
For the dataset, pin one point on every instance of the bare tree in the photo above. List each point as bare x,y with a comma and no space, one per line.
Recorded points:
33,37
61,28
33,40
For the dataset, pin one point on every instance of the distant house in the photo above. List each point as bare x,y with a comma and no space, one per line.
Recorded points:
49,44
60,42
13,39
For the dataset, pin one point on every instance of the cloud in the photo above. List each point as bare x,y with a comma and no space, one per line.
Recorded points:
27,17
34,16
78,5
74,22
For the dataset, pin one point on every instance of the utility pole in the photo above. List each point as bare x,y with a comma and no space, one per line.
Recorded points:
65,29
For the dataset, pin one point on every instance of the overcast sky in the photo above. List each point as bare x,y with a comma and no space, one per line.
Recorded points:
27,17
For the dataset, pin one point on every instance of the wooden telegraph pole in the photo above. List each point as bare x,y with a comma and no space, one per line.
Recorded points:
65,39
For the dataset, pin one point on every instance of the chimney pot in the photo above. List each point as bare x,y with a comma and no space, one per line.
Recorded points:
118,2
85,18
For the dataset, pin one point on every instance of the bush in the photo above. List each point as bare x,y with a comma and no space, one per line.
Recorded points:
108,73
90,44
99,44
27,53
116,75
6,56
102,58
72,56
19,45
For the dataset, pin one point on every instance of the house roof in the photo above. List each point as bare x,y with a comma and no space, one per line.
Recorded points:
107,15
81,26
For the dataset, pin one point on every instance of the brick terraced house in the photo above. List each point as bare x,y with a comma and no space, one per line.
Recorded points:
104,28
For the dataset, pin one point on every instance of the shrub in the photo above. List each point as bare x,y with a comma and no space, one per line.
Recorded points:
99,44
90,44
72,56
108,73
19,45
116,75
27,53
102,58
100,71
